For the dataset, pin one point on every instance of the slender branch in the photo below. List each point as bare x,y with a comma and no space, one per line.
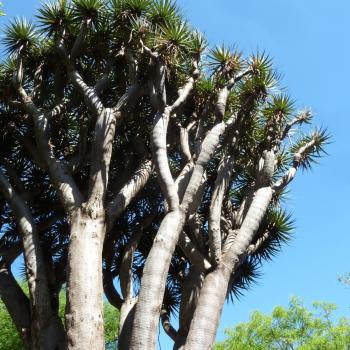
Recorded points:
79,42
63,181
158,90
220,106
129,191
303,117
160,156
186,89
290,174
153,54
220,187
168,328
253,248
125,274
16,302
183,179
110,291
209,146
184,144
38,79
192,253
195,225
238,78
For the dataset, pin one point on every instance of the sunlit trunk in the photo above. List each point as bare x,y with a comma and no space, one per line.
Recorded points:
212,297
84,309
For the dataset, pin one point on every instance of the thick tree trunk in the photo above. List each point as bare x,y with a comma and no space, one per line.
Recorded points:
127,313
46,327
212,297
84,308
155,273
191,289
148,308
208,311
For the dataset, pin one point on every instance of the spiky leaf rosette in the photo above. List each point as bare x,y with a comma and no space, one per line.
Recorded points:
224,61
275,231
279,108
87,10
243,278
173,41
163,12
309,148
127,10
20,36
55,17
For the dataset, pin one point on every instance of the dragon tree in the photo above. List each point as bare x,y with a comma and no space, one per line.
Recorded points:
140,165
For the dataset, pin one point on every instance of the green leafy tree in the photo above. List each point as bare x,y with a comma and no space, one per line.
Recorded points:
292,328
134,153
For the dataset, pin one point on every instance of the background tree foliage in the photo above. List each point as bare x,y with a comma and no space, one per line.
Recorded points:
9,337
292,328
133,152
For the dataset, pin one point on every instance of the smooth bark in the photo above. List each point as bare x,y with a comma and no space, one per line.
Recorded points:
84,320
46,327
207,315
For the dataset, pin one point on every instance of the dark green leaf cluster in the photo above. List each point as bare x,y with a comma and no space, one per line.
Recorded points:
20,36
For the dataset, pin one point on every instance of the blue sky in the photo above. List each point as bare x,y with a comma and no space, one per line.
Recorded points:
309,42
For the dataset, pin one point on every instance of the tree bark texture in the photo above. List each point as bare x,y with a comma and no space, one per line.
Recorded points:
84,319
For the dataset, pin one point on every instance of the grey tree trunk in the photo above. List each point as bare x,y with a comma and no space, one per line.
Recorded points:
46,327
191,289
84,319
127,313
152,284
149,304
212,297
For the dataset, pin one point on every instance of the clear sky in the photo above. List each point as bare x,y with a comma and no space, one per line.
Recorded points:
309,41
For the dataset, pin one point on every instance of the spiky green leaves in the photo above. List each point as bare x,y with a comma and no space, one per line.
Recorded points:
130,9
198,43
163,12
20,36
263,80
280,108
54,17
304,117
260,62
309,148
87,10
7,68
174,38
275,116
224,61
275,231
244,277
